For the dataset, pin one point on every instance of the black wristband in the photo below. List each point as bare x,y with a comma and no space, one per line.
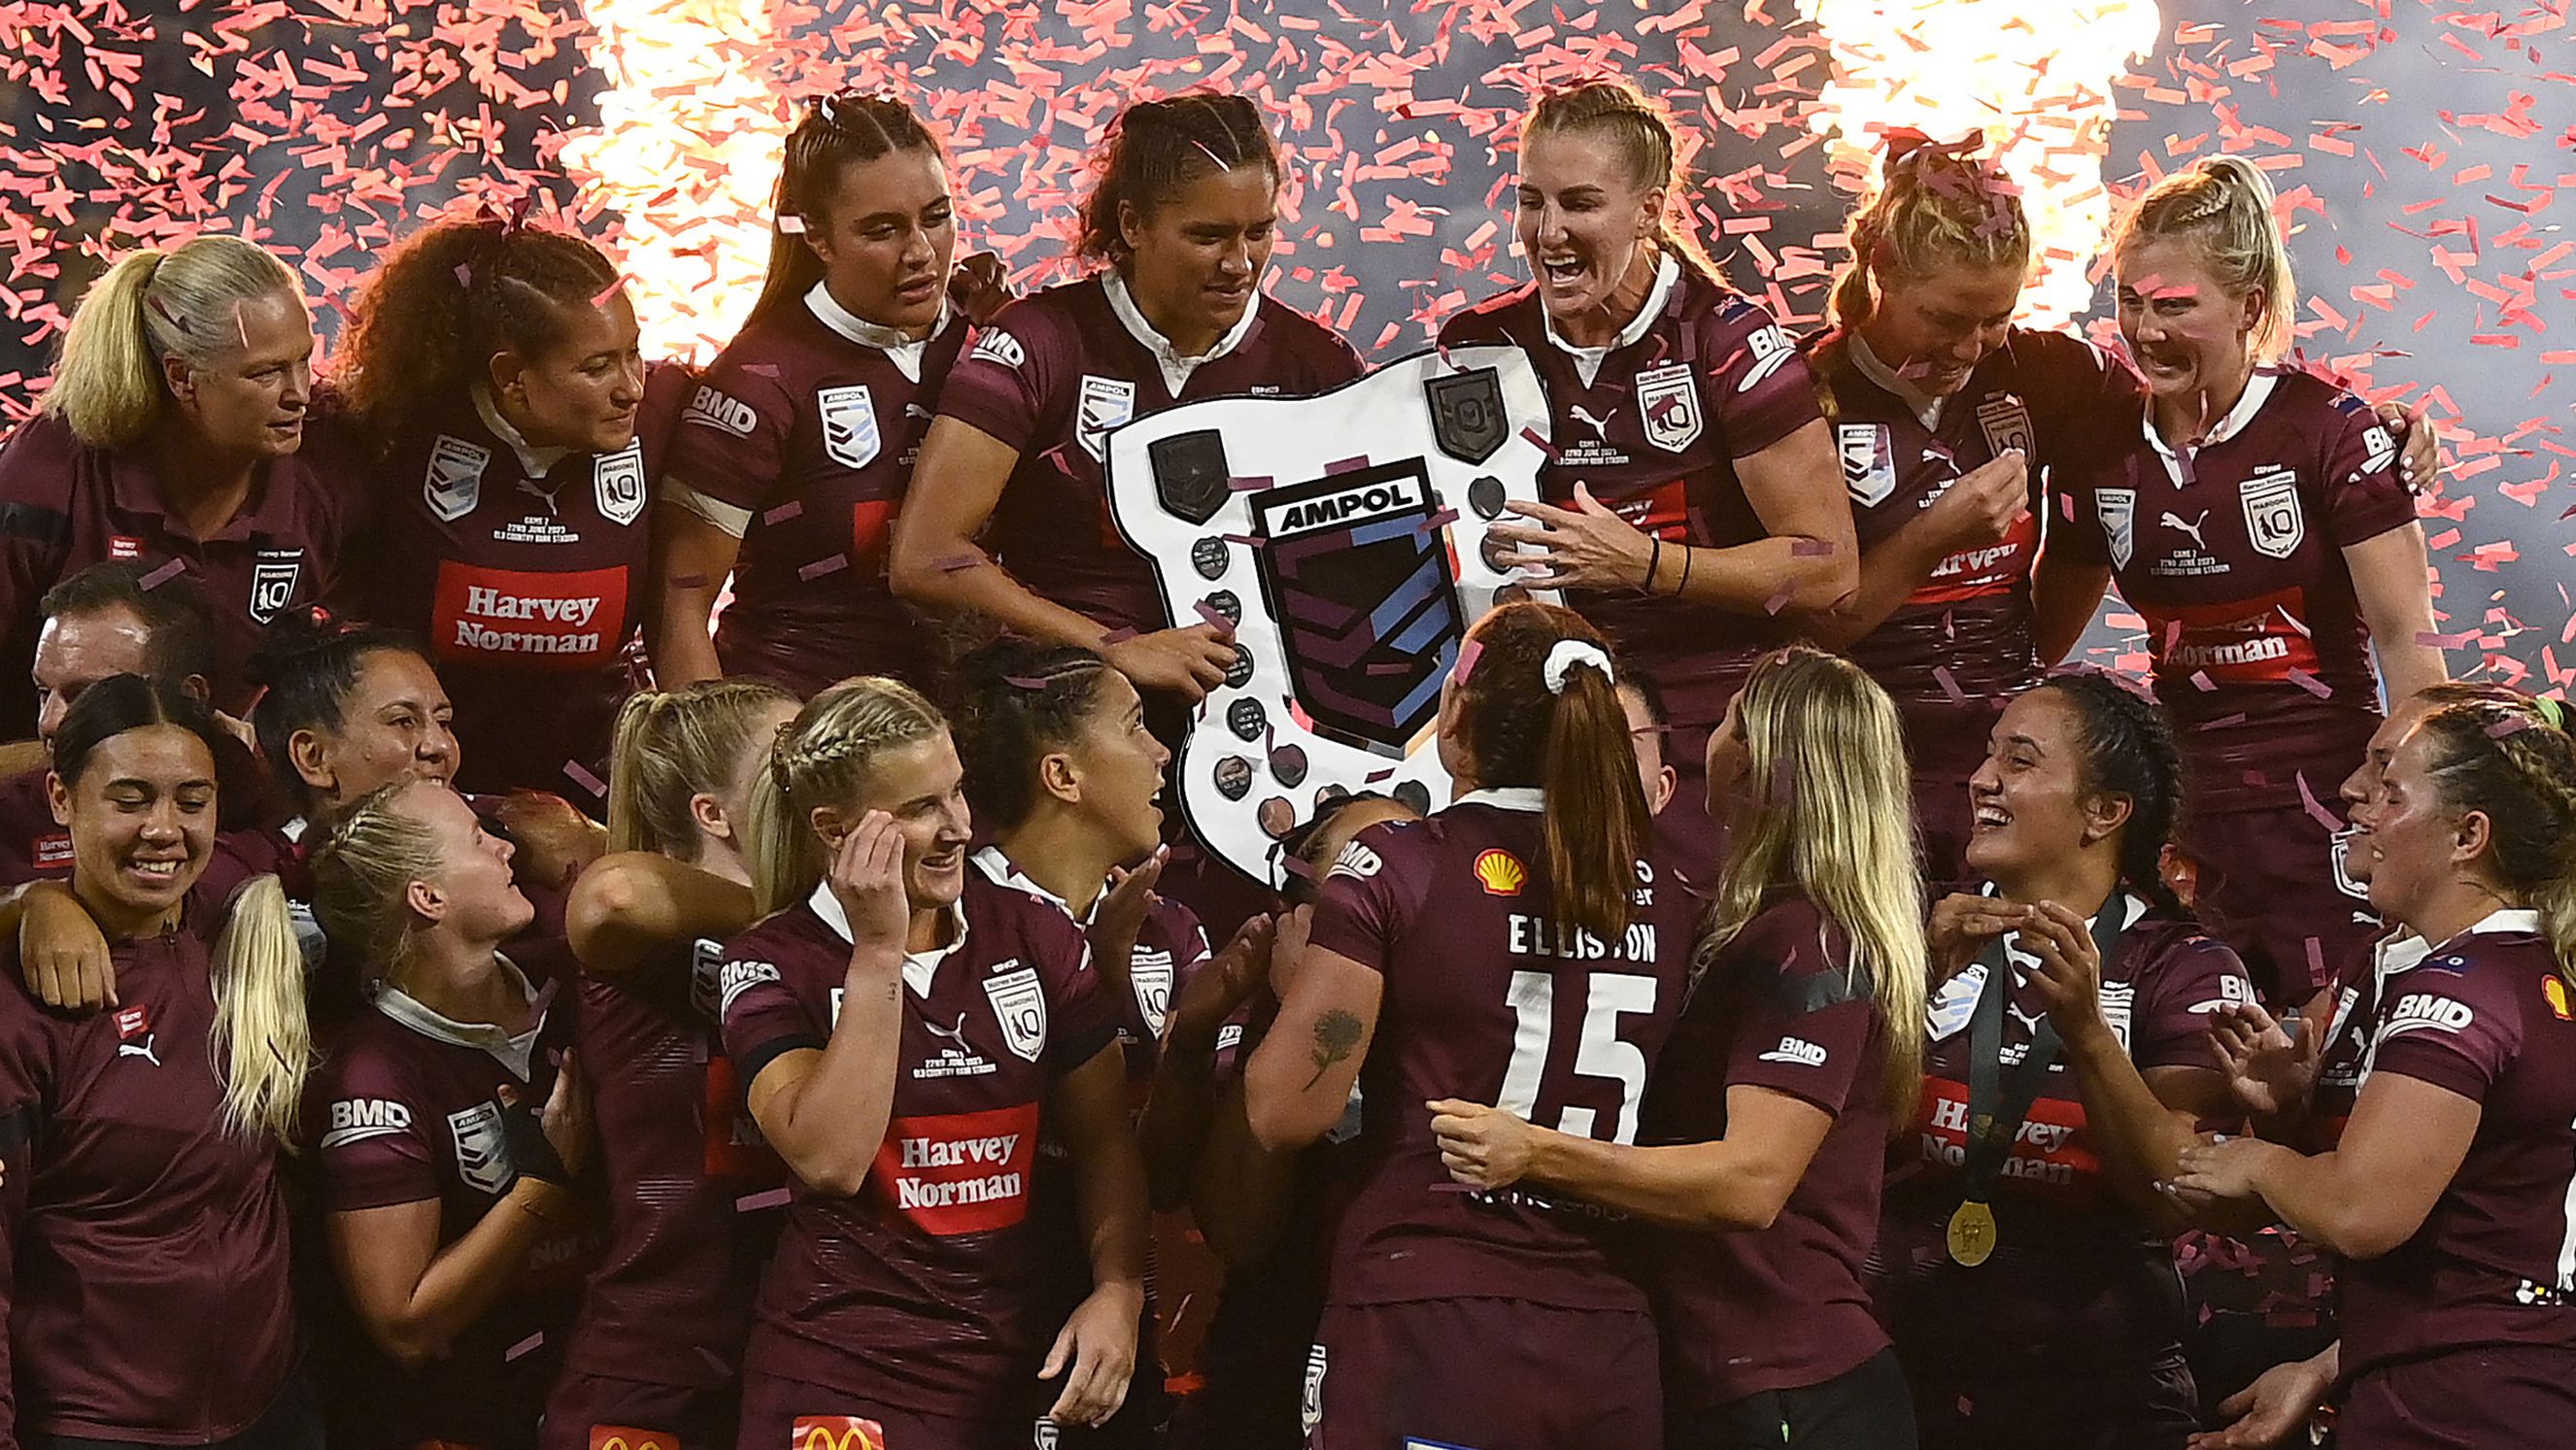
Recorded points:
532,1153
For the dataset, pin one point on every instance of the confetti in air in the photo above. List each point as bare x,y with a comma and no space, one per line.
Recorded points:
686,153
2038,79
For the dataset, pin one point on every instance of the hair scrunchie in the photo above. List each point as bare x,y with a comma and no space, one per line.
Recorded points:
1565,655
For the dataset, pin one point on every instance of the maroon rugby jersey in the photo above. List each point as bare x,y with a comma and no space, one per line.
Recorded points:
2074,1275
2352,1016
2236,561
524,571
809,421
406,1109
1488,999
65,506
1055,372
2487,1016
1654,425
33,845
151,1301
922,1292
670,1303
1960,645
1782,1308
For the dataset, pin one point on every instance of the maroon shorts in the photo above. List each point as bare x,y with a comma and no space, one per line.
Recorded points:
594,1412
2507,1398
2271,884
1482,1374
785,1414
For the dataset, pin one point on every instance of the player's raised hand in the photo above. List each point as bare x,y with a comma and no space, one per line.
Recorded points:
1187,662
1585,547
867,879
1984,505
1481,1147
2269,1067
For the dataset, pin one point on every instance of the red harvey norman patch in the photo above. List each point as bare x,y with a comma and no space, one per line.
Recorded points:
53,852
1998,568
735,1151
2050,1155
2247,642
515,619
133,1022
958,1173
833,1432
870,524
124,546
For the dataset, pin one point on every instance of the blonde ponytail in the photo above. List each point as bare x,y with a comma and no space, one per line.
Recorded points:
107,385
263,1037
822,758
1936,206
1644,135
2226,205
672,745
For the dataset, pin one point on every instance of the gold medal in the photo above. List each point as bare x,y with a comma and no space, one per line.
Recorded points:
1972,1234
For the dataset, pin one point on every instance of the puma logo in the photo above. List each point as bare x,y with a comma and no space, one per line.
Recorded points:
1600,426
143,1049
956,1034
2173,520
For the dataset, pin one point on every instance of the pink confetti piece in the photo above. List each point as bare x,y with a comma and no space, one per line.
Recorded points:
1118,636
1949,684
1810,548
1252,483
1441,520
1468,654
2316,959
2309,682
1543,446
164,574
791,224
2317,812
820,567
523,1348
580,775
1346,465
768,1198
955,562
2513,724
1214,616
793,508
2430,640
688,581
1778,602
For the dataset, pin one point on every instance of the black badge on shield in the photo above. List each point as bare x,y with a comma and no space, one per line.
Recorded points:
1485,496
1467,418
1209,557
1239,674
1190,474
1288,765
1415,795
1247,719
1234,777
1226,602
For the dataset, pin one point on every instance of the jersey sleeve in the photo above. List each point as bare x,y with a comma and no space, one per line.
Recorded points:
1082,1016
1369,898
2169,1022
2083,400
373,1147
36,470
2458,1032
1806,1029
1336,362
1002,385
731,442
2365,496
1761,389
760,1016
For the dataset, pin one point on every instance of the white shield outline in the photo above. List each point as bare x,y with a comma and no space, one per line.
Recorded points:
1872,446
272,584
1663,393
850,432
1149,973
453,485
2006,424
1020,1005
2119,510
482,1152
2275,524
1105,403
617,483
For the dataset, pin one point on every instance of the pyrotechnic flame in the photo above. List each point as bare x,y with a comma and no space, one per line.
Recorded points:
687,151
2036,76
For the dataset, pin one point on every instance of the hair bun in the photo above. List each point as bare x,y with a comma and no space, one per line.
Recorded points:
296,633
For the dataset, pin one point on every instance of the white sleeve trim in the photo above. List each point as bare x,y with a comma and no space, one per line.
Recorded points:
734,521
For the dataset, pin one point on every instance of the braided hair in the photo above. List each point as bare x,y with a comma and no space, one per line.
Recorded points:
2224,205
1644,135
1157,149
1016,701
835,133
822,758
2127,748
424,326
2508,764
1937,205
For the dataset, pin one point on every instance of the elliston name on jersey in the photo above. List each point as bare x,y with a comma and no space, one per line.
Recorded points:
1345,538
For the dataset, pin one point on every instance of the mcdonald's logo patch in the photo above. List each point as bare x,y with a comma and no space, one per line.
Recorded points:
1501,873
627,1437
835,1432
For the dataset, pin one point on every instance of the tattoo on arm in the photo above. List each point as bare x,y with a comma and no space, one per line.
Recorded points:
1337,1035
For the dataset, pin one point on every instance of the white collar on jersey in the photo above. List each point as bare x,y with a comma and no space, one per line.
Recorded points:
1176,365
1588,360
515,1053
2137,907
919,968
1926,407
904,352
2407,951
1000,870
1528,798
537,462
2258,391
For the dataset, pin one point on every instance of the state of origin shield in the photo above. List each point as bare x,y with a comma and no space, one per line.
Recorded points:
1344,537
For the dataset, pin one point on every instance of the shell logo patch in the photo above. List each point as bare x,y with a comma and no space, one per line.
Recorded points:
1501,873
2553,990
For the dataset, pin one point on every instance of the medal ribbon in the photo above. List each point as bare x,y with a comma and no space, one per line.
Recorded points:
1997,1104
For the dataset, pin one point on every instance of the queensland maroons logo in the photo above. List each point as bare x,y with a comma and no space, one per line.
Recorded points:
1668,401
617,483
2274,522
